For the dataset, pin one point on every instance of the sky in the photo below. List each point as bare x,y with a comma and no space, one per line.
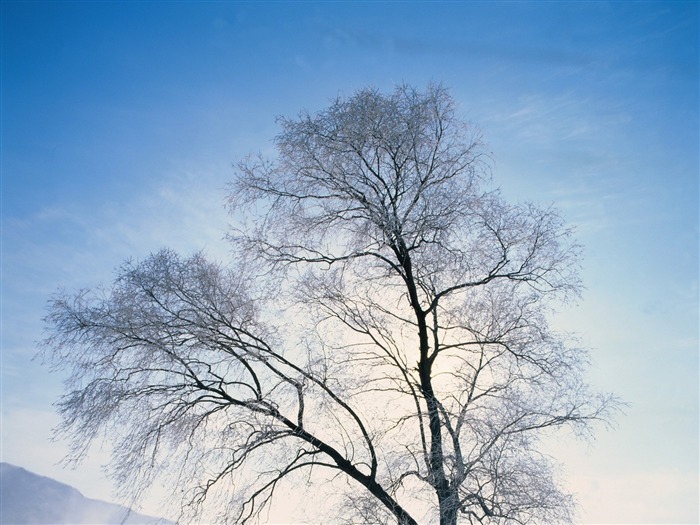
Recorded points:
120,123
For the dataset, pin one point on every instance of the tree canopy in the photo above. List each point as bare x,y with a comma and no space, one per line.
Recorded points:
383,326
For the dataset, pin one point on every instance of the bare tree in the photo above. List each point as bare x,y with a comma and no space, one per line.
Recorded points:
385,321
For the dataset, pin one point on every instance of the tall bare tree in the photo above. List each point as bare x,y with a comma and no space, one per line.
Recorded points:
385,320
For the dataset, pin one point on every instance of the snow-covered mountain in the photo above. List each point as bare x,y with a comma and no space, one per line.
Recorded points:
27,498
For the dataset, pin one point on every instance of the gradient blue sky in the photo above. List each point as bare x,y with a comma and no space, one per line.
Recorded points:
120,122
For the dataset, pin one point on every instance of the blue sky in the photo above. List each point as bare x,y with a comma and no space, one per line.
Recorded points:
120,123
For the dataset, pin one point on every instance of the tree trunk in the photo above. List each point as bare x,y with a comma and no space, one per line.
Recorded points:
448,508
447,497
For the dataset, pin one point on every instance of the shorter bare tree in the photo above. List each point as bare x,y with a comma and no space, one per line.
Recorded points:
384,327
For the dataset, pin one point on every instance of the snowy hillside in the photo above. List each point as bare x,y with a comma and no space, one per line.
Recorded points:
27,498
